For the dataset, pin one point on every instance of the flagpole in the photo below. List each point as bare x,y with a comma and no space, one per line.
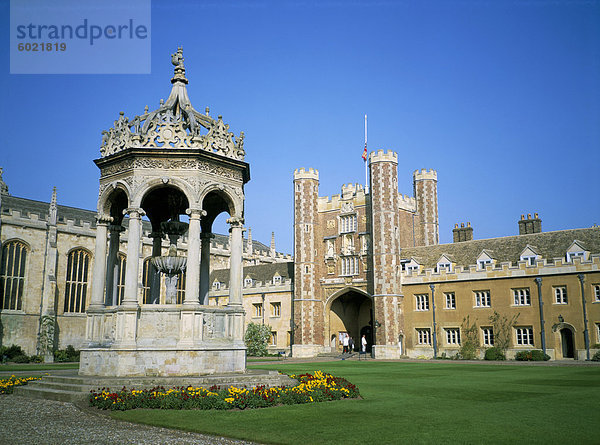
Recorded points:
366,169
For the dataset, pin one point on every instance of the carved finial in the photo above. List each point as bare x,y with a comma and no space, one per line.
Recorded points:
177,60
207,110
162,102
3,186
53,208
146,109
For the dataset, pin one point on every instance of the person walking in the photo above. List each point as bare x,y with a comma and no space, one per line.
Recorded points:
350,345
345,351
363,343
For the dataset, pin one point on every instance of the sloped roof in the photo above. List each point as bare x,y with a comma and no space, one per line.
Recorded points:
260,272
548,244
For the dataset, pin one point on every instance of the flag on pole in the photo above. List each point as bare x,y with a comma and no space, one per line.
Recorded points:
364,155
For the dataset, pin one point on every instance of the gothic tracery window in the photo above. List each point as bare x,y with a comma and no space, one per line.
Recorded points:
77,281
12,275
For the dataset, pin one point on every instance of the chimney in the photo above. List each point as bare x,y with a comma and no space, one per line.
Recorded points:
462,233
249,245
272,249
530,225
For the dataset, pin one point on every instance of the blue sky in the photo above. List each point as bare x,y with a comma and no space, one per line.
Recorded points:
502,98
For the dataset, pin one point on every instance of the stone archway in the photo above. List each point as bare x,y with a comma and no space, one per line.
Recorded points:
350,311
567,343
564,340
163,203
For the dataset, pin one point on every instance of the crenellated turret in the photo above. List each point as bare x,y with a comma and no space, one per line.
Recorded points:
425,190
308,312
386,251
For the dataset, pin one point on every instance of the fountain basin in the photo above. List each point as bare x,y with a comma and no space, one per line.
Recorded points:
170,265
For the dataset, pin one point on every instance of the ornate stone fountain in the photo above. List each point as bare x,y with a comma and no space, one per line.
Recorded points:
159,165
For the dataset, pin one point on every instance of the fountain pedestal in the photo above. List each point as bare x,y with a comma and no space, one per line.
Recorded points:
170,339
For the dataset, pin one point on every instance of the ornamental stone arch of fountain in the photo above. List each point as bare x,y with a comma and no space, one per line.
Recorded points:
166,166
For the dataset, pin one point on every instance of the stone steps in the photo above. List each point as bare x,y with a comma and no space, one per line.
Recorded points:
329,354
338,355
40,391
75,388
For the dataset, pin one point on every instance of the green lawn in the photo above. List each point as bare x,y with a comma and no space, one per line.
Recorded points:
11,367
418,403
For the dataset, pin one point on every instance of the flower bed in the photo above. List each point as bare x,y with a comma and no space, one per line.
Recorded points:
7,385
317,387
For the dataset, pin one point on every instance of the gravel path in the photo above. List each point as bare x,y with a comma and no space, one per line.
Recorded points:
46,422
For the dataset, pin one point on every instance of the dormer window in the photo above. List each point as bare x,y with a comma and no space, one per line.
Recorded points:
216,285
576,250
444,263
410,265
276,279
481,264
484,258
444,266
530,255
248,282
572,255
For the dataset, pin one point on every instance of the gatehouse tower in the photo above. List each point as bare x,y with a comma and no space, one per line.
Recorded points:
347,257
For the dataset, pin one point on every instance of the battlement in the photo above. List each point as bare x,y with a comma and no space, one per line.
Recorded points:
383,156
406,202
257,287
311,173
39,219
351,190
424,173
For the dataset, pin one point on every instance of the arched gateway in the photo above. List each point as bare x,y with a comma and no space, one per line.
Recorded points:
168,165
350,311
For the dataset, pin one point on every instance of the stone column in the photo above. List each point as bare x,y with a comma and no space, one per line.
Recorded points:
99,278
153,273
205,266
192,283
235,261
134,242
111,266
